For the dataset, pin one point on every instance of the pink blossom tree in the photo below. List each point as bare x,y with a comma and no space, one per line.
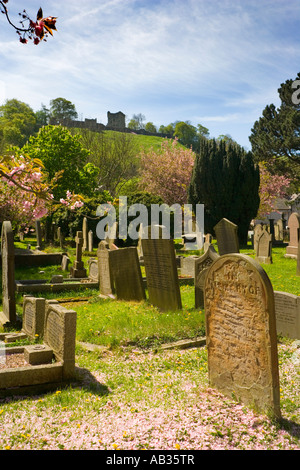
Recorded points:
271,188
167,172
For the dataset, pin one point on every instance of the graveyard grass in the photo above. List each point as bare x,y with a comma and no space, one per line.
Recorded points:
133,394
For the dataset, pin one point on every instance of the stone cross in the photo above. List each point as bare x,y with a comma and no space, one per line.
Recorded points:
78,270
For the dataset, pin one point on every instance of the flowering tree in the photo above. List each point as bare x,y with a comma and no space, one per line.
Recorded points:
25,192
35,30
167,172
272,187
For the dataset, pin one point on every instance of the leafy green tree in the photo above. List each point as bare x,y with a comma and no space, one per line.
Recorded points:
226,180
60,151
186,133
17,123
42,116
62,110
202,131
150,127
169,129
137,122
275,136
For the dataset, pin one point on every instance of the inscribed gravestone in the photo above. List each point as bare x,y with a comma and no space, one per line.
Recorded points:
8,275
126,274
78,270
60,334
33,316
187,265
264,247
93,269
293,224
201,267
241,332
287,310
105,277
161,273
227,239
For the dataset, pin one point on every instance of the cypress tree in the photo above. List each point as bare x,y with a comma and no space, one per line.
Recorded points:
226,180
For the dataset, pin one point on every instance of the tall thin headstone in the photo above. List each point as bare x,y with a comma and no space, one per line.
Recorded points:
161,273
90,241
227,238
241,332
85,234
105,277
8,315
78,270
38,231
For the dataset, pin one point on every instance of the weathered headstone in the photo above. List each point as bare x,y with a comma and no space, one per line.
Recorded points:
293,225
161,273
126,274
33,318
93,269
78,270
187,265
8,315
85,234
207,241
90,240
38,231
60,334
201,267
264,248
60,237
65,263
287,310
105,277
258,228
111,234
241,332
227,238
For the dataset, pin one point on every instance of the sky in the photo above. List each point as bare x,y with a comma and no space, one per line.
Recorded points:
217,63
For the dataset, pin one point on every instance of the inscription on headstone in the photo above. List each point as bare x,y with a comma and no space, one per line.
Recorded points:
33,317
161,273
241,332
227,239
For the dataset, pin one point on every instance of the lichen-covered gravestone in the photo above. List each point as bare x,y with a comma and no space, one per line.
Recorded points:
293,225
8,315
241,332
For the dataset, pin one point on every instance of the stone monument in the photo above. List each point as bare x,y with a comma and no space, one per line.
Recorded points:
8,315
126,274
227,239
293,225
264,247
105,276
78,270
241,332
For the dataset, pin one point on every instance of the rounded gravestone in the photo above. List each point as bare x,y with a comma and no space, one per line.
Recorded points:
241,332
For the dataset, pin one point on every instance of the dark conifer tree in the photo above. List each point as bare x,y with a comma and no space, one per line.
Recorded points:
226,180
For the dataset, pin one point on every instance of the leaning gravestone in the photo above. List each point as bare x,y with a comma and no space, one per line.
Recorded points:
227,239
126,274
201,267
78,270
293,225
8,315
105,277
287,310
264,247
161,273
241,332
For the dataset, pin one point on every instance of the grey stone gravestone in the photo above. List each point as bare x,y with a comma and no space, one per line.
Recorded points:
161,273
293,225
105,277
85,234
264,248
90,240
65,263
78,270
241,332
8,315
287,311
201,267
187,265
93,269
111,234
33,318
227,239
258,228
126,274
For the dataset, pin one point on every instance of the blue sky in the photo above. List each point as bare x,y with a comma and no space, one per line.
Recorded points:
212,62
